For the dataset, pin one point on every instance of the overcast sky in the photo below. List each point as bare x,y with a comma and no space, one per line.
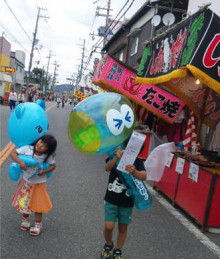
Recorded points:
70,21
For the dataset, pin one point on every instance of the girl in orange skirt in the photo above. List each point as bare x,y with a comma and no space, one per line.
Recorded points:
31,194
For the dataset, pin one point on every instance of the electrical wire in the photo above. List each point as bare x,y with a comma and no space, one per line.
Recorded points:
23,31
118,20
95,48
17,20
106,30
13,37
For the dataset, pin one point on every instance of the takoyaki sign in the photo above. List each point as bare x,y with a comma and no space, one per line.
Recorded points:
113,76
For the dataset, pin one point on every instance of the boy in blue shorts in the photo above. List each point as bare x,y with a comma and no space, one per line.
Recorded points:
118,205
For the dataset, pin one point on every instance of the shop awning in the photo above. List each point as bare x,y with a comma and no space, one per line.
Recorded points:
189,51
5,78
112,75
193,44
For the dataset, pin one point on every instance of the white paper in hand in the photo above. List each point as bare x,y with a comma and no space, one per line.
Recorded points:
132,150
156,161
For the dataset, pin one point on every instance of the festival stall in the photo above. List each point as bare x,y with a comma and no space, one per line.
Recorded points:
185,60
114,76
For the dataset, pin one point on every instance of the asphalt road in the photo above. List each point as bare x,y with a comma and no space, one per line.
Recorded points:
73,229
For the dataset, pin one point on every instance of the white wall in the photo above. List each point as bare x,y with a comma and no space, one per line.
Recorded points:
20,55
194,5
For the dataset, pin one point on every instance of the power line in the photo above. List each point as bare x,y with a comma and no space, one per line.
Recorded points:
106,30
22,29
17,20
95,47
119,19
34,39
13,37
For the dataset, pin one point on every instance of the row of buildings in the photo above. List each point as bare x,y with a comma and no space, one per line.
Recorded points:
12,64
152,19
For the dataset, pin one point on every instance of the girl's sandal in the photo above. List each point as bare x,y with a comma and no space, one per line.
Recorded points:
25,224
36,230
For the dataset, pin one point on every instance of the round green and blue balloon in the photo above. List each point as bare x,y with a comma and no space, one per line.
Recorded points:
100,123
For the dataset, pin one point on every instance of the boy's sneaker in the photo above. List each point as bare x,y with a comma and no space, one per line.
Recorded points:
25,224
117,254
36,230
107,251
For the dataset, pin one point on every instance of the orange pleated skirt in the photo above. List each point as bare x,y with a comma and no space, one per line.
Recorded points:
30,198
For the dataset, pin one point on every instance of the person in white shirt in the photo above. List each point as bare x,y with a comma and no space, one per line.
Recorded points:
58,102
31,194
21,97
12,99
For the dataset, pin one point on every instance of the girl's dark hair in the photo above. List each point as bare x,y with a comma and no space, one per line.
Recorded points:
51,144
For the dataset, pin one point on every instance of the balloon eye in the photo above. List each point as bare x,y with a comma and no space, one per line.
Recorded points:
39,129
128,115
115,122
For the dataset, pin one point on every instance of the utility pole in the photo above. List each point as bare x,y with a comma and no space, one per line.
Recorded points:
106,22
56,65
80,71
107,15
42,78
47,73
34,41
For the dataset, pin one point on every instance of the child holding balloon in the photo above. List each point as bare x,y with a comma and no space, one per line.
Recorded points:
118,204
31,194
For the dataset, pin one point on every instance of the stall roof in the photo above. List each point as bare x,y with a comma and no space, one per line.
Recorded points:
188,48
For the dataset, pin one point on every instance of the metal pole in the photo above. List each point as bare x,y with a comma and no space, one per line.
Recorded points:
106,23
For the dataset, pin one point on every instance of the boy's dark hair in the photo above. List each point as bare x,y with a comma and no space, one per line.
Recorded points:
51,143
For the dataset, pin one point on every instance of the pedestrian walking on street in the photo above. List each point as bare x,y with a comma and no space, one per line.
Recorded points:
118,205
21,97
12,99
58,102
63,102
31,194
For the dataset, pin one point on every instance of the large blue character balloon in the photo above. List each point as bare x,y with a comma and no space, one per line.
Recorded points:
41,103
14,170
27,123
101,123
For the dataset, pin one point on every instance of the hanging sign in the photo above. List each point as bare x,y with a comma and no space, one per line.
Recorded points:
113,76
180,165
193,44
193,172
9,69
169,159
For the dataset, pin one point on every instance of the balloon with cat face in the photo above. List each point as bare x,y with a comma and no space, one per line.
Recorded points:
27,123
100,123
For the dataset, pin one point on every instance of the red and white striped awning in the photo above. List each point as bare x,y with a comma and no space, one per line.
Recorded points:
190,138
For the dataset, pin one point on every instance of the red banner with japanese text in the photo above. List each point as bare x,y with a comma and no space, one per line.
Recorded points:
113,76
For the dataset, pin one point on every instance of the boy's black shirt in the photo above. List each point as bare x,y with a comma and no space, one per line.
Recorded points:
116,192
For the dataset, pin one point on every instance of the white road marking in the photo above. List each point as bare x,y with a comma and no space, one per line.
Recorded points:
187,224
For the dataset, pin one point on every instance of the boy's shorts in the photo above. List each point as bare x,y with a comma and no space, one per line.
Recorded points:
114,213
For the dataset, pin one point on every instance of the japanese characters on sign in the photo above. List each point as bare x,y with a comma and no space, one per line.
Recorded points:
152,97
195,42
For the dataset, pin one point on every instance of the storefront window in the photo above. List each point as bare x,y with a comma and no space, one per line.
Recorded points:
134,45
121,55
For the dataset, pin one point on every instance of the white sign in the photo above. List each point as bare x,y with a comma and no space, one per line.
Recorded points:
180,165
193,172
132,150
169,159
